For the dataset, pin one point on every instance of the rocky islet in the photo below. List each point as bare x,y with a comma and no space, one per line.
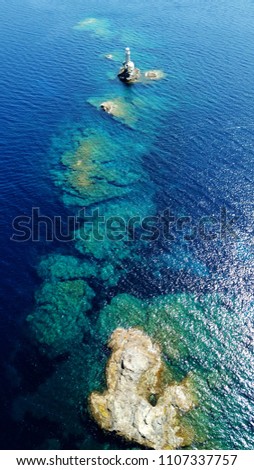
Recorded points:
137,404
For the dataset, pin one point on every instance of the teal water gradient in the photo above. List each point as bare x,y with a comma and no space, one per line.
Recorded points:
189,147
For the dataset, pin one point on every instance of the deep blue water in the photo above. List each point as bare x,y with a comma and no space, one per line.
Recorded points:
196,157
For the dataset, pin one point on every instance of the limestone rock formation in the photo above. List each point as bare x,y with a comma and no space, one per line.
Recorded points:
116,107
120,109
154,74
110,107
137,404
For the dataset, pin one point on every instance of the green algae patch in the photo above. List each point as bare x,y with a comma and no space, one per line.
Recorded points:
59,319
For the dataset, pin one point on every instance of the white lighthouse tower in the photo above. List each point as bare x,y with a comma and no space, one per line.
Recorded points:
128,72
128,64
127,54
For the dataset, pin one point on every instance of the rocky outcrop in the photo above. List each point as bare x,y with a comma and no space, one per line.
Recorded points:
127,77
137,404
117,107
155,74
120,109
110,107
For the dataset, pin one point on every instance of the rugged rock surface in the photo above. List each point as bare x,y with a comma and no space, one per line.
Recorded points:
120,109
126,77
137,404
115,107
110,107
154,74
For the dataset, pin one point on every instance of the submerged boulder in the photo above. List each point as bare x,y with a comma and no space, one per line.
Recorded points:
59,320
117,107
155,74
120,109
137,404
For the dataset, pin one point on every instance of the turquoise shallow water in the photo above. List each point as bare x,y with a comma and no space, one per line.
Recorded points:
185,143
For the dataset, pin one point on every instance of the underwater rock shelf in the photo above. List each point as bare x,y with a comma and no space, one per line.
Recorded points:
137,405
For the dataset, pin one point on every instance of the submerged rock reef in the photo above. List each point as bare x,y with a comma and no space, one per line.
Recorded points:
167,345
137,404
155,74
96,26
117,107
59,319
90,170
197,338
97,168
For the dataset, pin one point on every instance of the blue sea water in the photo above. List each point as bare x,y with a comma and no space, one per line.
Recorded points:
193,150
